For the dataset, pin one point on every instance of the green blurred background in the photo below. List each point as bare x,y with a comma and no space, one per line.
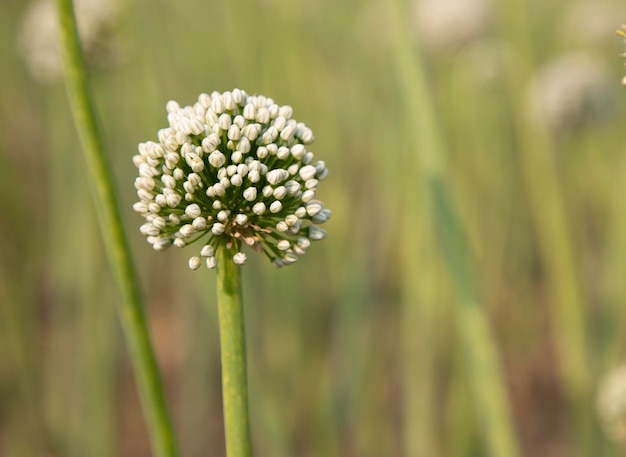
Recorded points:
355,350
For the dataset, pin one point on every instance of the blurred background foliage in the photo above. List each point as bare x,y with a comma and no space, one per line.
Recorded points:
354,351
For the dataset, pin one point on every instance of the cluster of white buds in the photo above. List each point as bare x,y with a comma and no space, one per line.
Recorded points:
232,169
611,403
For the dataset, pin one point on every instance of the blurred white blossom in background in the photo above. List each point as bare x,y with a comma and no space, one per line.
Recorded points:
447,25
570,91
611,403
38,39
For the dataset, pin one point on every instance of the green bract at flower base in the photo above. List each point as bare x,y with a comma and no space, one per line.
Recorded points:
232,169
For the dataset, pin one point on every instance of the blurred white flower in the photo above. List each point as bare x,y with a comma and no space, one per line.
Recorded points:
590,22
38,38
232,169
445,25
611,403
570,91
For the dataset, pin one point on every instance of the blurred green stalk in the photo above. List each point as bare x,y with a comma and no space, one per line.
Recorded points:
484,368
130,308
549,215
233,353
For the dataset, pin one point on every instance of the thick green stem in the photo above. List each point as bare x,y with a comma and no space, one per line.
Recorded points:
130,307
233,350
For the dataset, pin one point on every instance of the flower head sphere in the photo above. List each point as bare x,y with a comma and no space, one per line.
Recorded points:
232,169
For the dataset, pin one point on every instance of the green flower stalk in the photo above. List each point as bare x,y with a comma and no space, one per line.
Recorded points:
232,170
130,307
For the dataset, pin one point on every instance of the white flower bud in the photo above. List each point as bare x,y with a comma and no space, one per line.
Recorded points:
262,116
216,105
282,226
211,118
307,172
159,222
222,216
236,157
179,243
258,208
311,184
276,207
316,233
224,121
240,258
217,159
270,135
207,251
242,169
254,176
300,212
283,153
194,262
189,188
307,195
199,223
262,152
238,96
288,133
292,187
304,243
187,230
249,111
168,181
236,180
298,151
211,262
286,111
283,245
178,174
276,176
291,219
241,219
149,230
140,207
244,145
219,189
289,258
234,133
218,228
193,210
307,136
280,192
173,200
250,194
227,100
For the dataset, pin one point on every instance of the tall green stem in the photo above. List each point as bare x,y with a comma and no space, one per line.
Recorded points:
478,341
233,351
130,307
